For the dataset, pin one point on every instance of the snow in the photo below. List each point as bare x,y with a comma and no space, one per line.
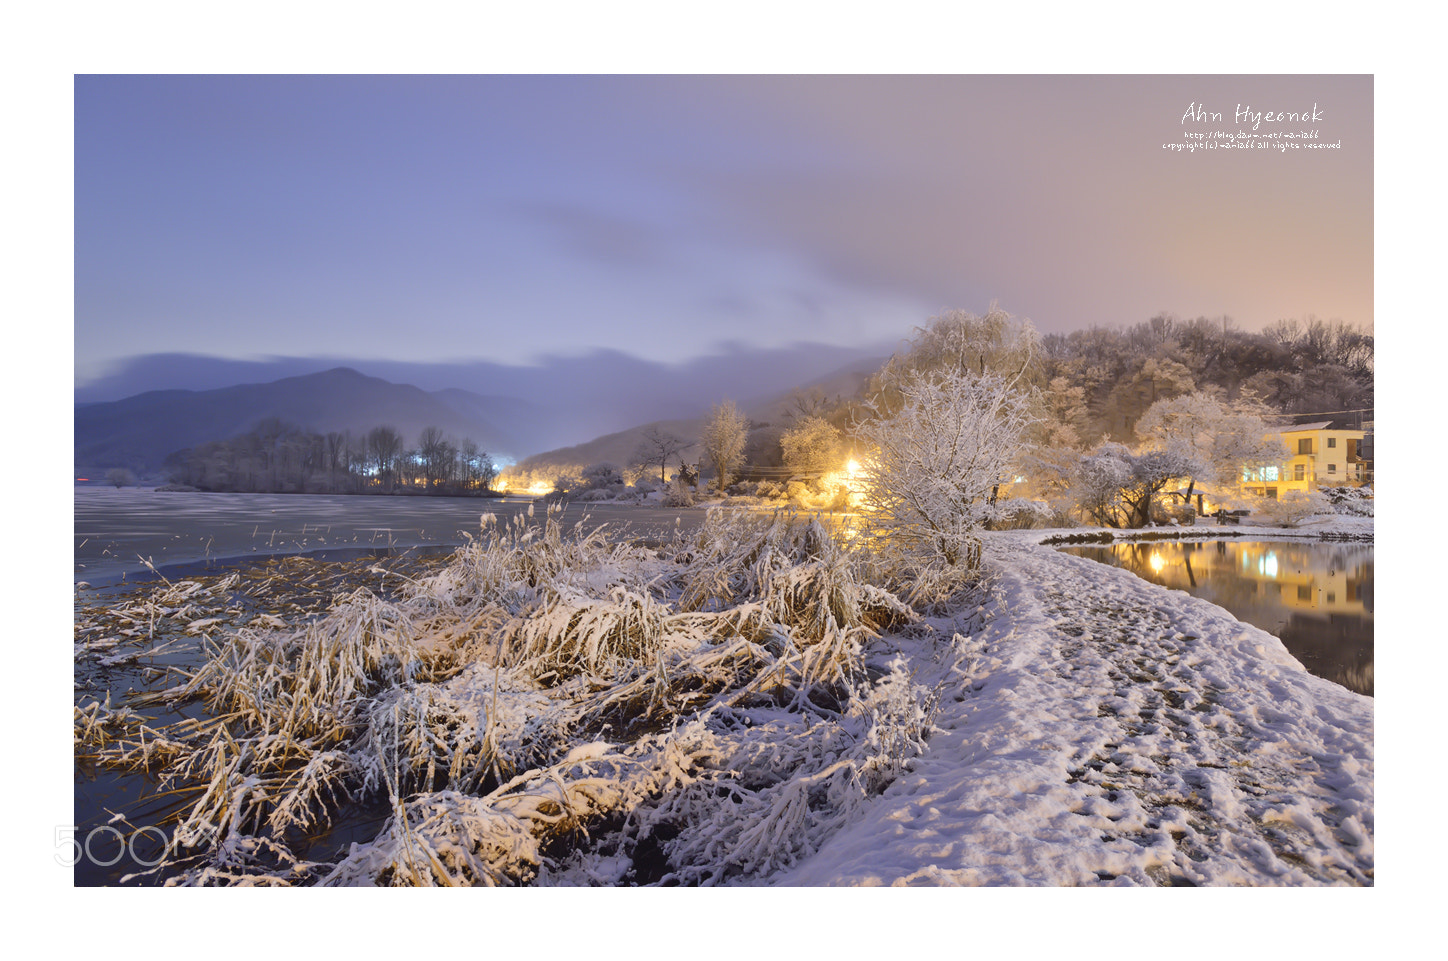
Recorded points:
1104,730
1069,725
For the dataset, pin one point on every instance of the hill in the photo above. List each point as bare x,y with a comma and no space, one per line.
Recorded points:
139,432
768,415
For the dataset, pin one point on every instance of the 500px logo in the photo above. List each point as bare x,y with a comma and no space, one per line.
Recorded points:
106,845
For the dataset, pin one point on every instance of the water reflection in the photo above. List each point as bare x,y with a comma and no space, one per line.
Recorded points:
1317,597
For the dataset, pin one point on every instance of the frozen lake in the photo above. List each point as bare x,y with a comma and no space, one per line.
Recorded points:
116,528
1317,597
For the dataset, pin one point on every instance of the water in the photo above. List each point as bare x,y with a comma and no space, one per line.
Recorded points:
1317,597
116,528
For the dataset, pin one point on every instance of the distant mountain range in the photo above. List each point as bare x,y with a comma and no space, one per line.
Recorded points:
139,432
511,411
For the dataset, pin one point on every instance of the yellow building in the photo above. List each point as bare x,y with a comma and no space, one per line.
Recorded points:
1319,455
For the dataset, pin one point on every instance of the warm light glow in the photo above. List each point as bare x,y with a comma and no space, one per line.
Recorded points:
853,467
1267,566
1156,561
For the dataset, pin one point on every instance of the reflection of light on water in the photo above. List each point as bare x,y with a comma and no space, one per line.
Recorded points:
1156,561
1267,565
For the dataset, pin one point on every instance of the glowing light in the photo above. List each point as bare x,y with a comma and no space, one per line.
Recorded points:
540,488
1156,561
1267,566
853,467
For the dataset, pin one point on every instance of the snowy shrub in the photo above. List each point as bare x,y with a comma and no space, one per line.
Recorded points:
1291,509
679,494
769,490
1019,513
1173,511
1356,501
602,476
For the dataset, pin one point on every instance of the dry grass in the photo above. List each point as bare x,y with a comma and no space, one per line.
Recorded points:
538,707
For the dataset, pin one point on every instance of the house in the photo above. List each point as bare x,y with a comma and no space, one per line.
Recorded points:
1322,454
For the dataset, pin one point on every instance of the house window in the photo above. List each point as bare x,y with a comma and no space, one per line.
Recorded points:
1332,468
1299,471
1304,592
1304,446
1272,493
1332,442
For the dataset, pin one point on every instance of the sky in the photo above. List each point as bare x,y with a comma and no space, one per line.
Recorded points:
511,219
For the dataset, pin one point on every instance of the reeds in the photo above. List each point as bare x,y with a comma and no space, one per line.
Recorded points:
542,704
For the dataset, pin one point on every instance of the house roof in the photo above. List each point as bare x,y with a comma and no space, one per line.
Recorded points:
1295,428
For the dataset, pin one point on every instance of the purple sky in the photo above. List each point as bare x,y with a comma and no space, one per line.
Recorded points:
427,219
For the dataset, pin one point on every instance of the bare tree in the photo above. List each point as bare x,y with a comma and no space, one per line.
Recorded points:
436,455
120,477
384,444
723,440
657,446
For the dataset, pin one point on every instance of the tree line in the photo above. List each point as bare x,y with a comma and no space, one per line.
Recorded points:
279,457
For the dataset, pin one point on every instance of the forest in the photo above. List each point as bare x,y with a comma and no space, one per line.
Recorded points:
278,457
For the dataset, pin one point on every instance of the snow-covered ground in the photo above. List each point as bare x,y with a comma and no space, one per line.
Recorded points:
1104,730
743,707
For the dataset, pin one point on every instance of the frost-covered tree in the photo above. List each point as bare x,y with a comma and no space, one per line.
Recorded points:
599,476
120,477
961,342
723,440
1115,487
1219,439
932,464
812,447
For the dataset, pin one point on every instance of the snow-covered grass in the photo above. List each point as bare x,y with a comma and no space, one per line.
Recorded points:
758,702
543,705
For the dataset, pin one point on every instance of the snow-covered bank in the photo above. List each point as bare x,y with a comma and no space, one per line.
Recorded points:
1103,730
750,703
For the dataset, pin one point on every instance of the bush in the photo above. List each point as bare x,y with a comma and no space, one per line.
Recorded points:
1356,501
1020,513
769,490
679,494
1291,509
1173,511
603,475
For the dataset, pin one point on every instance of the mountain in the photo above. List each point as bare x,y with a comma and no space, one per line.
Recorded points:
140,431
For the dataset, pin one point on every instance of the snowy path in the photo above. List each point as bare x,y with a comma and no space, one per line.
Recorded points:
1108,731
